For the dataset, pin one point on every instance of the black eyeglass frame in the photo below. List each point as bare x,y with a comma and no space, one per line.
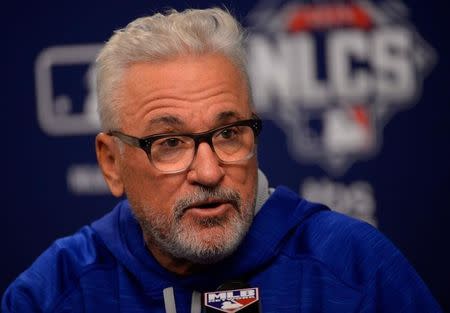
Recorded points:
145,143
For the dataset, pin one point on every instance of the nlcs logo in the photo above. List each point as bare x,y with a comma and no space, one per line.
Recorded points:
333,74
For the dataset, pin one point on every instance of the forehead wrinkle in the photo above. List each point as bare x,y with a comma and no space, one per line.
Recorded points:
191,91
198,92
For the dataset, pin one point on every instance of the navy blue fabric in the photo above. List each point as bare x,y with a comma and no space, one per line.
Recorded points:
302,256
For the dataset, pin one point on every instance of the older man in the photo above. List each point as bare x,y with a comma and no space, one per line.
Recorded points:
179,140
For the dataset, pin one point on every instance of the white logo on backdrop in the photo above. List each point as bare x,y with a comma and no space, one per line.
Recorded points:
55,112
332,74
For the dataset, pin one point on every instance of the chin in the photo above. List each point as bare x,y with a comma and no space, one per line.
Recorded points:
209,243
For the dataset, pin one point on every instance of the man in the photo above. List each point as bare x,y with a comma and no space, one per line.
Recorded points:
179,140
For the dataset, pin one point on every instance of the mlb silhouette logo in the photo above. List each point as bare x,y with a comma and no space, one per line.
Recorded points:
65,90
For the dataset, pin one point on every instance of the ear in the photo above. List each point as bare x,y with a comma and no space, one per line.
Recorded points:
108,157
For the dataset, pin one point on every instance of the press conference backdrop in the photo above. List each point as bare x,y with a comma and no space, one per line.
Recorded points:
354,97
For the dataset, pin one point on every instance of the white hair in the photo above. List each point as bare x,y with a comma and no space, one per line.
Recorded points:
158,38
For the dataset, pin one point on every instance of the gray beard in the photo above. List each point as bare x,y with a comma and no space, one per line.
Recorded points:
192,241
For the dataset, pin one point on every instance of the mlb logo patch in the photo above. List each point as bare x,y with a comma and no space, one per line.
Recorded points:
231,300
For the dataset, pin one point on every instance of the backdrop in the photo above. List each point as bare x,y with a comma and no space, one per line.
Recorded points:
354,97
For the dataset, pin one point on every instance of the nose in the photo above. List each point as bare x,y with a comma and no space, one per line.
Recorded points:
205,169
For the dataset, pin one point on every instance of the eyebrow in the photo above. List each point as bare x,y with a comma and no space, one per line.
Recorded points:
171,121
228,116
165,120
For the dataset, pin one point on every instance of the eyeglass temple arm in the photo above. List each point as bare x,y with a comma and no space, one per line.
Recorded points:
133,141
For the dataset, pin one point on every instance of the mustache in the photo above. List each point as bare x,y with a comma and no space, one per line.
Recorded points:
204,194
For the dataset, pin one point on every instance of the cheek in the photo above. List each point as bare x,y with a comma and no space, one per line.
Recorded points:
146,188
244,178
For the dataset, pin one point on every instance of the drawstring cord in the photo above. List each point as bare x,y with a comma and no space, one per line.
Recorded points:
196,304
169,301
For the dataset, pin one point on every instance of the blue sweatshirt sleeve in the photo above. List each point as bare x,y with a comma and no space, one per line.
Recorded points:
360,255
15,300
53,279
395,285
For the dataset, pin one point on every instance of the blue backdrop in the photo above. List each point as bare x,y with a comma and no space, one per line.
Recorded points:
354,97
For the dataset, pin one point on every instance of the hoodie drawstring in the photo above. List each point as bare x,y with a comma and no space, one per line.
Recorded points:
196,304
169,301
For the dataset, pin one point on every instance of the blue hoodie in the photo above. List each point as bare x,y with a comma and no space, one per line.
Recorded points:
302,256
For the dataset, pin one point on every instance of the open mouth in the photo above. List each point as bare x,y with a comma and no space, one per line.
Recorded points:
208,205
209,208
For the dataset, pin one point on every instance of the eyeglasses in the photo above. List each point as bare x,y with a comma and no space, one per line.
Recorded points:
173,153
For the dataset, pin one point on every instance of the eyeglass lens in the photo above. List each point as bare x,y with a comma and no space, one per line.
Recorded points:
175,153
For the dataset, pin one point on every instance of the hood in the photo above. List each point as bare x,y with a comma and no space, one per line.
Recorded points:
281,213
